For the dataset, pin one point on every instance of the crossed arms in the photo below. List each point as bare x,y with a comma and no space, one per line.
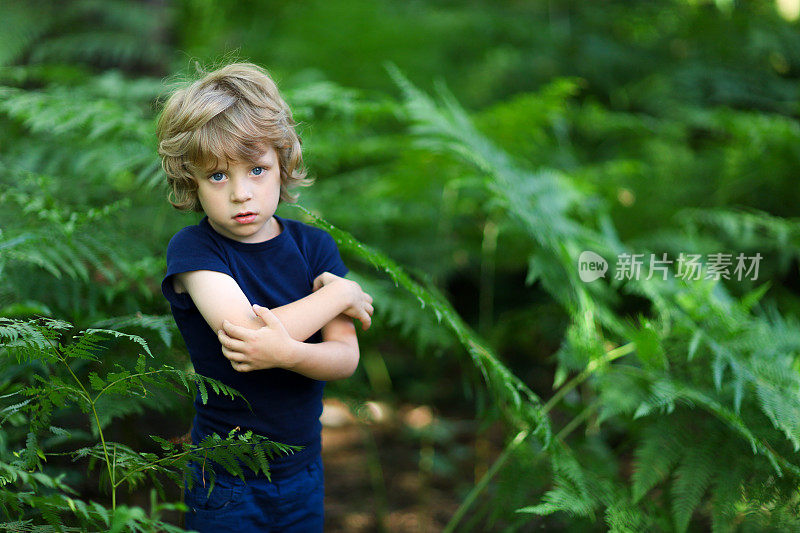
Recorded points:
255,338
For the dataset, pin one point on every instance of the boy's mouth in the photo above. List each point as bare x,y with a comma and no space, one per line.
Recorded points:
245,218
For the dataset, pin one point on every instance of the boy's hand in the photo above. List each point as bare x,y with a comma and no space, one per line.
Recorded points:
326,278
257,349
358,302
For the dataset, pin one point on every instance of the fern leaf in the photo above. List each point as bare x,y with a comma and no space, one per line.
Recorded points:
726,494
522,403
109,332
163,325
692,478
656,455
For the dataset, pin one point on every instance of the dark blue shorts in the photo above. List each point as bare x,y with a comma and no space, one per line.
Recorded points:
293,504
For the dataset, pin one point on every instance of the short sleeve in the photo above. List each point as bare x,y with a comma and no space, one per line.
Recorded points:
325,256
190,249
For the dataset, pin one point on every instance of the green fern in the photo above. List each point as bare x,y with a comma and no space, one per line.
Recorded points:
41,340
522,406
656,455
692,477
700,322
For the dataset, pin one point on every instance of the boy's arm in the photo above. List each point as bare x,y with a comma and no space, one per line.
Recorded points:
336,357
218,298
257,339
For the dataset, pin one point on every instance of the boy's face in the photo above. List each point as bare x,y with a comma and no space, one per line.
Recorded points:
241,197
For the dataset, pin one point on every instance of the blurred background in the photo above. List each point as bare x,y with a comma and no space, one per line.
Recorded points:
674,122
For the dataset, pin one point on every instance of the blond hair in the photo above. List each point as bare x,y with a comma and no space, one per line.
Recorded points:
230,114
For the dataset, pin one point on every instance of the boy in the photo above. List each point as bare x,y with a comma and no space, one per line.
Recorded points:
250,291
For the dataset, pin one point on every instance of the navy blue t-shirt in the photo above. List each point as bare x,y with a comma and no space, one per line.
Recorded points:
286,405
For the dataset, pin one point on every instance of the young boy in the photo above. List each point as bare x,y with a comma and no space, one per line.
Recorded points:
250,291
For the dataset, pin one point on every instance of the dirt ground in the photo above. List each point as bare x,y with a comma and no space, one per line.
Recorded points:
380,472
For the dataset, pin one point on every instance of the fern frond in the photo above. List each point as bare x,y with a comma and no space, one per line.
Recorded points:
725,342
622,517
576,490
656,455
22,29
726,494
163,325
692,477
60,111
543,201
89,333
523,405
32,339
116,41
749,228
55,245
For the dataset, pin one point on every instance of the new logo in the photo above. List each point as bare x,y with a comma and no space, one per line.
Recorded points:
591,266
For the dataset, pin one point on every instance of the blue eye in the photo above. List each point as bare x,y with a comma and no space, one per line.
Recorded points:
216,177
257,171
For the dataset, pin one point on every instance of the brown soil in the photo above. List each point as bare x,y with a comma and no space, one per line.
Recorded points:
376,478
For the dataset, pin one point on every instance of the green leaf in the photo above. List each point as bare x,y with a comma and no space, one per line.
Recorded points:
692,478
648,347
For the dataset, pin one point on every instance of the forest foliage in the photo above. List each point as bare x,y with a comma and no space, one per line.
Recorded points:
465,156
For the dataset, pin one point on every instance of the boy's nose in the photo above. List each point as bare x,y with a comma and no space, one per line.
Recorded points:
241,194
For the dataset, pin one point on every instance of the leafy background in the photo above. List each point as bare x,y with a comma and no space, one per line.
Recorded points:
467,152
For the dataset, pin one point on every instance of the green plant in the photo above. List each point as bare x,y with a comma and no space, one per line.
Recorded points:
710,380
31,494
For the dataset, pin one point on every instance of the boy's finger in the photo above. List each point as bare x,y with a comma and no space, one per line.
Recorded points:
233,356
230,342
240,367
236,332
266,315
366,322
